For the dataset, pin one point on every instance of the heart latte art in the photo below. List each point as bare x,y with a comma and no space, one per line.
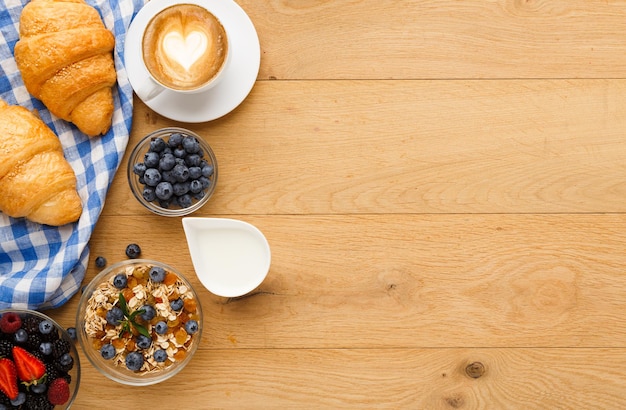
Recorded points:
184,47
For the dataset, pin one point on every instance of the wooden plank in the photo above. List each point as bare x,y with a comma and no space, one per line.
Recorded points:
386,378
411,280
503,39
414,147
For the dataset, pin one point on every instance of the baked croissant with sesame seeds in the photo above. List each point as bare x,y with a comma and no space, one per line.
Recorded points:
65,57
36,181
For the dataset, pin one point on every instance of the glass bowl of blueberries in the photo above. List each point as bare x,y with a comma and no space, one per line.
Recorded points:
139,322
39,362
172,171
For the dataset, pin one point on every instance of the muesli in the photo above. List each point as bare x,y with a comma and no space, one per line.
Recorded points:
144,318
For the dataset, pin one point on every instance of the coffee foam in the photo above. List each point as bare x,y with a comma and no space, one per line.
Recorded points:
185,50
184,46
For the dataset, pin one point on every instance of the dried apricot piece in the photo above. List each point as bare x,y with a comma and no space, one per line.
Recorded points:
180,354
181,336
170,278
190,305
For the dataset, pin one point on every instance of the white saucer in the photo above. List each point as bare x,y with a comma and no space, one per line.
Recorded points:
222,98
231,257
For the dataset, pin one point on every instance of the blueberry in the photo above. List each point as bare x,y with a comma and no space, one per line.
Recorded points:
107,351
175,140
195,186
164,190
152,177
191,144
160,356
65,359
71,331
21,336
101,262
206,182
151,159
149,193
167,162
176,304
180,173
184,201
179,152
45,348
134,361
195,172
192,160
199,195
168,176
148,313
157,274
160,327
38,388
207,171
181,188
133,251
165,203
120,281
191,327
158,144
143,342
45,327
19,400
114,316
139,168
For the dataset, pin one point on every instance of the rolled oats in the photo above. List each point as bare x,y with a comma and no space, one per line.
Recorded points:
142,291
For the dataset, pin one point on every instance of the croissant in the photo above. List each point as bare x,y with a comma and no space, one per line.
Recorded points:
65,57
36,181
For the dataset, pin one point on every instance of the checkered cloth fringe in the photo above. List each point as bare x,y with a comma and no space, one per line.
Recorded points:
41,266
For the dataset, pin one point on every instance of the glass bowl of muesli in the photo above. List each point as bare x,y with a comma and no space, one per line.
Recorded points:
139,322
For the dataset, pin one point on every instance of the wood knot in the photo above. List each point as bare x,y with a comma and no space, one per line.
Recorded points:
455,401
475,370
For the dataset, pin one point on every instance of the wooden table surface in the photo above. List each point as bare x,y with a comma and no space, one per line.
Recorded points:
442,184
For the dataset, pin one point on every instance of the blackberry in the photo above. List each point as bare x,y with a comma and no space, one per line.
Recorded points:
37,402
31,324
33,341
60,347
51,371
6,348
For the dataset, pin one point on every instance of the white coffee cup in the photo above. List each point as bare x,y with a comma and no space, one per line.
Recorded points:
184,47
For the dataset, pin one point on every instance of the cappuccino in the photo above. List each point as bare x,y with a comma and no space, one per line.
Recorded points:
184,47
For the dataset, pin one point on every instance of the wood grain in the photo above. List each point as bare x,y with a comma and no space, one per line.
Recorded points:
442,186
386,378
412,281
440,39
414,147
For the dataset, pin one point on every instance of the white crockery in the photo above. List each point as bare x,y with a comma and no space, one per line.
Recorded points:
231,257
235,82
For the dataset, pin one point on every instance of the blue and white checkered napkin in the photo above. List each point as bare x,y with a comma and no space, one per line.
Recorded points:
42,266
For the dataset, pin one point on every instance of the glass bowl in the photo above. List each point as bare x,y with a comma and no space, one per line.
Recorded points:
171,176
61,344
120,341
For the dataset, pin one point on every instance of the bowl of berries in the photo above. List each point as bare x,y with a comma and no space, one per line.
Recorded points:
39,364
172,171
139,322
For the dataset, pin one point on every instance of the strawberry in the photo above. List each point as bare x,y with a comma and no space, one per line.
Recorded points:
29,368
10,322
8,378
58,391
